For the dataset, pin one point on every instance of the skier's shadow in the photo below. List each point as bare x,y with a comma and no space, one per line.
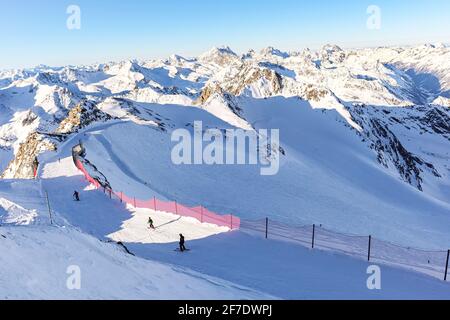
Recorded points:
167,223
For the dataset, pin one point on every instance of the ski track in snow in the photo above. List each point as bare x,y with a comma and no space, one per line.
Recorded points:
330,174
280,269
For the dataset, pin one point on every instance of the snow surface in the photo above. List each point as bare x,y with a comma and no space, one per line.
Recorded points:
35,260
323,177
36,257
279,269
329,174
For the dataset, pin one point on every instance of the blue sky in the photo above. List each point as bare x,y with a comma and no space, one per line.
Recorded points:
34,31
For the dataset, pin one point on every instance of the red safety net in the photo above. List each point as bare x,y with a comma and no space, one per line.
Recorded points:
200,213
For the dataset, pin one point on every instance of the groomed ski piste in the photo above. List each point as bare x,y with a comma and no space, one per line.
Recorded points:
221,264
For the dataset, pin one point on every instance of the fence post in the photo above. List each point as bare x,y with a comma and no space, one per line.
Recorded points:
446,265
201,214
154,203
176,208
134,200
370,247
267,228
313,235
231,222
49,208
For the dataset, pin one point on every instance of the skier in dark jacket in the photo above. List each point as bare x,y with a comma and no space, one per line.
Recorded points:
150,222
182,247
76,196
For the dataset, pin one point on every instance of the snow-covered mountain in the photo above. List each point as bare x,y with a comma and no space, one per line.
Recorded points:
364,149
388,108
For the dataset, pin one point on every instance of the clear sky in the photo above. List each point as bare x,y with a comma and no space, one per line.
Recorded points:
34,31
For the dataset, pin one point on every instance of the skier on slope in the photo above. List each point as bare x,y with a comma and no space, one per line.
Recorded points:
182,241
76,196
150,222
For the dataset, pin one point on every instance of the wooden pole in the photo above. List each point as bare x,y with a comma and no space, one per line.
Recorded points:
201,214
134,200
446,265
176,208
49,208
154,202
370,247
231,222
313,235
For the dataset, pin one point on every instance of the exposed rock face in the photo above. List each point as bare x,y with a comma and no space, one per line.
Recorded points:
29,119
207,92
439,121
391,150
247,76
391,153
79,155
23,164
312,93
22,167
81,116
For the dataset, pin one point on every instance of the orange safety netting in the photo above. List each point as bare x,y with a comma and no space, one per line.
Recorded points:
200,213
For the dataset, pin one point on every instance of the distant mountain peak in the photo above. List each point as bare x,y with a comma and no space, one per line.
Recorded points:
271,51
222,50
219,55
331,48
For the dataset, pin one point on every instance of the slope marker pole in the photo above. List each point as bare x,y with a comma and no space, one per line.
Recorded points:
313,235
370,247
267,228
49,208
446,265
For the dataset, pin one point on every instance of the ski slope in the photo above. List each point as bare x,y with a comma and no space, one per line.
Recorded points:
114,220
35,262
327,176
36,255
278,269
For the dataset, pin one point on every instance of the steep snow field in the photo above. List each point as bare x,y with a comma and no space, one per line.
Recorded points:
279,269
364,150
327,177
58,177
35,264
35,256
